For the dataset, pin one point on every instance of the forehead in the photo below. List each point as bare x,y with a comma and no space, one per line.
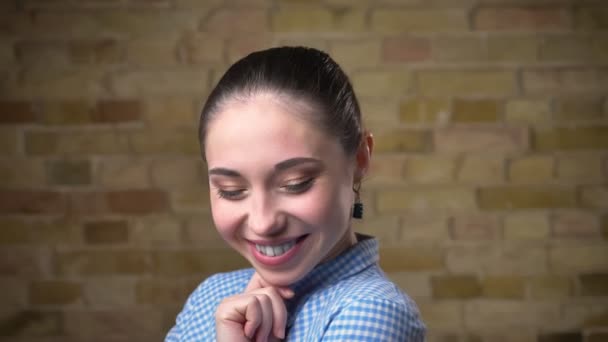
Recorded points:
265,129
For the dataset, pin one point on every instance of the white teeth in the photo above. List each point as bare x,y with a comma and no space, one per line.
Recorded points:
275,250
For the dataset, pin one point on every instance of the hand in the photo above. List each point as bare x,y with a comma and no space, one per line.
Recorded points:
258,314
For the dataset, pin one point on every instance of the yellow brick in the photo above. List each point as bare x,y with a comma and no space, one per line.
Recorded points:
156,231
230,22
302,20
455,287
590,17
578,259
378,112
104,262
492,315
123,172
110,291
138,24
14,293
480,139
192,262
199,230
386,169
203,49
569,138
412,20
442,315
528,111
594,196
54,292
424,228
594,284
432,111
68,112
58,83
178,173
22,173
464,110
564,81
385,228
84,143
526,226
191,200
566,48
496,198
381,83
401,141
411,259
580,168
532,169
356,54
578,109
414,284
432,199
458,49
166,141
496,260
183,112
8,141
156,51
512,48
160,291
350,20
482,170
160,82
429,169
39,232
550,287
505,287
474,82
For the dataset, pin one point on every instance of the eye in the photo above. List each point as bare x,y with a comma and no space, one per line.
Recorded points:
298,186
232,195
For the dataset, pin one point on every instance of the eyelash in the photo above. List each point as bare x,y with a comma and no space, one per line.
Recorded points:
295,189
300,187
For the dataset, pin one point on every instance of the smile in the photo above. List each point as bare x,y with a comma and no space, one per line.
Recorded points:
273,251
272,254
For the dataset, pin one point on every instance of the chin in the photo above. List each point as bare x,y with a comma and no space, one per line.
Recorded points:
281,278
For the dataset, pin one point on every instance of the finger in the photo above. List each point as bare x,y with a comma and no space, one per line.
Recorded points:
279,312
257,282
253,313
266,323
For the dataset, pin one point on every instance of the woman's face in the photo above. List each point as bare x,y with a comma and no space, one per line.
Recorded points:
281,188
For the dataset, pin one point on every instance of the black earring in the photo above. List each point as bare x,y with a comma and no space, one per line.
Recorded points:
358,206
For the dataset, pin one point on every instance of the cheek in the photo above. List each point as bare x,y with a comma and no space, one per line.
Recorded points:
225,218
323,207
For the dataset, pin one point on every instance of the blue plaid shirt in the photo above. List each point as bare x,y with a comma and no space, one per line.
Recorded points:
347,298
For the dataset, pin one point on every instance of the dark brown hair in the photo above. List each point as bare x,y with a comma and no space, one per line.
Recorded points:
299,72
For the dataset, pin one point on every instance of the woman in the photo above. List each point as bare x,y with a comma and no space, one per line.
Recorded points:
286,152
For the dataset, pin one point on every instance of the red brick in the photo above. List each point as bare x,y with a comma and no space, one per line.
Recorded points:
232,22
405,49
137,201
15,112
521,18
114,111
32,202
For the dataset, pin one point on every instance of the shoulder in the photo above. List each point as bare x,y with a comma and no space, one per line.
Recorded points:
370,305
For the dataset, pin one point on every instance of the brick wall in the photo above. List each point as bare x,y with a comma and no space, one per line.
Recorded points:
489,186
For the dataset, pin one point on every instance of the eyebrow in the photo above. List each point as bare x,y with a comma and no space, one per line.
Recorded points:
284,165
289,163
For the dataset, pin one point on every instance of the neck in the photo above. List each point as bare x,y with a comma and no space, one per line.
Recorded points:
346,241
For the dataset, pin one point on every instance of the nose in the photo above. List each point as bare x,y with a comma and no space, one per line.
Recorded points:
264,219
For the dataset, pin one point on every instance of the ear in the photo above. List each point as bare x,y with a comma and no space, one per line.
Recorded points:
363,156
